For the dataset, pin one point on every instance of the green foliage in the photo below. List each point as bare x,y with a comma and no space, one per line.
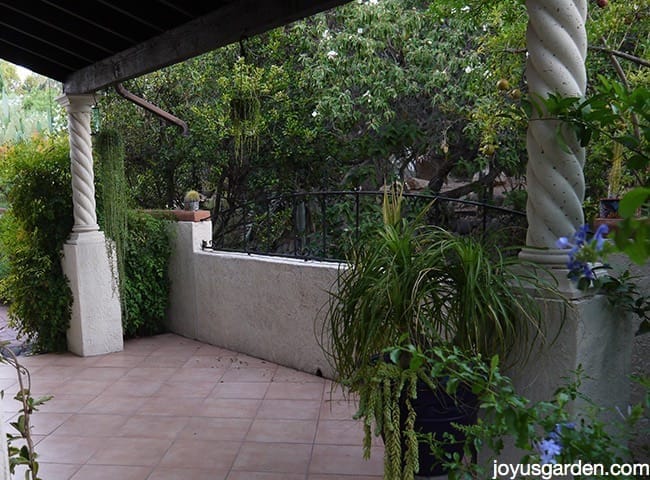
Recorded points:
37,176
146,283
430,285
622,117
25,454
27,107
502,414
114,193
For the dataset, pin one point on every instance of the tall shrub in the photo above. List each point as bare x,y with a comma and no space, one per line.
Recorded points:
146,282
36,174
140,243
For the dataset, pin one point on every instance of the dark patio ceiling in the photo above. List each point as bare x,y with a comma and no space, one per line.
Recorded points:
90,44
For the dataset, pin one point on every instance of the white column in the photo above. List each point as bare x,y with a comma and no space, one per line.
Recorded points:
81,157
557,47
96,323
587,331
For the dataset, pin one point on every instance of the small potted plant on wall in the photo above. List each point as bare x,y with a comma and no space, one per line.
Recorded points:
191,200
410,320
608,207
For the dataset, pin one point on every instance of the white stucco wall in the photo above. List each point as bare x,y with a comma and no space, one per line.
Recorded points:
267,307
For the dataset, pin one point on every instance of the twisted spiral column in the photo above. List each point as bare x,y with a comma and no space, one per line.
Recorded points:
81,156
557,47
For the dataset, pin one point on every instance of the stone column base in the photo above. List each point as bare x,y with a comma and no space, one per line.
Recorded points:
96,323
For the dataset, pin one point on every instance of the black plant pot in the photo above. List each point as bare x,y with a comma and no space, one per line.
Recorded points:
435,412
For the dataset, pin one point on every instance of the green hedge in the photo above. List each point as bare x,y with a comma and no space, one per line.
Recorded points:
36,176
146,284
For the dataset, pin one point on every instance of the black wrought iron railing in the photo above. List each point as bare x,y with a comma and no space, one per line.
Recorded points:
324,225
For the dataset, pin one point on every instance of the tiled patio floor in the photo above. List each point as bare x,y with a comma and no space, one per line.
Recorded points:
169,408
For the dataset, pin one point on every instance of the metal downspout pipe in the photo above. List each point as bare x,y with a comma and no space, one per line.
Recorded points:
168,117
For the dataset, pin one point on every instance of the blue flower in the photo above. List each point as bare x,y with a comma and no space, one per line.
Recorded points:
599,238
548,449
563,242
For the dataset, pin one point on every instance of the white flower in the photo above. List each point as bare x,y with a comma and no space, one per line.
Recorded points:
373,2
367,94
468,69
314,113
485,27
359,31
465,8
332,54
326,34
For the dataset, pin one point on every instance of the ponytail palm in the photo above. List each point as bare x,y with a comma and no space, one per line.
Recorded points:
425,286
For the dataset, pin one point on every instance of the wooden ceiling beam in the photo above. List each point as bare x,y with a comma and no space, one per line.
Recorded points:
234,21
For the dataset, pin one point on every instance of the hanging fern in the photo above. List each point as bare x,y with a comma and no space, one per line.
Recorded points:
114,200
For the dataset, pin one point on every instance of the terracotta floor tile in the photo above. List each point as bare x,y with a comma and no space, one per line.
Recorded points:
346,477
210,361
133,387
177,350
195,389
81,387
119,359
66,403
111,472
7,371
251,390
273,457
289,409
212,350
166,473
164,361
246,361
339,432
216,456
44,423
211,375
43,387
9,385
107,403
152,426
265,476
282,431
55,471
140,346
91,424
202,428
180,406
150,374
333,391
229,408
295,391
68,449
171,408
284,374
338,409
70,359
249,374
345,460
130,451
61,373
102,373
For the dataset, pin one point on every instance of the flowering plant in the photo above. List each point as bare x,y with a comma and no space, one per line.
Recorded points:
588,267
